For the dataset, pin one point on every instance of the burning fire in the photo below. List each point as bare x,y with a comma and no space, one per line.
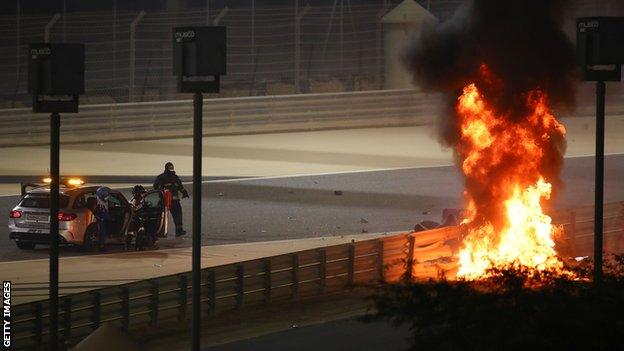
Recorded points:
503,160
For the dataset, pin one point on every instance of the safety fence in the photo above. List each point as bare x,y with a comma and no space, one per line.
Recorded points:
273,48
579,229
130,121
298,275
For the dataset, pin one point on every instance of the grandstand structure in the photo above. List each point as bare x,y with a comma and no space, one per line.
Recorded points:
293,47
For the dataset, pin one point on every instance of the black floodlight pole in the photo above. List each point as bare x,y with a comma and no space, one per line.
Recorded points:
48,66
197,191
599,181
600,55
55,126
199,58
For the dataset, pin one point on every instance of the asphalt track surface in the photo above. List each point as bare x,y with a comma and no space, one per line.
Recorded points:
265,209
340,335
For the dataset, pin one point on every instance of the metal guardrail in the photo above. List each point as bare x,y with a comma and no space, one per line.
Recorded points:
297,275
576,240
578,227
149,120
224,288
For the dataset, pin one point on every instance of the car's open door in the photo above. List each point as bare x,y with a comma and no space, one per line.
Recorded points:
156,210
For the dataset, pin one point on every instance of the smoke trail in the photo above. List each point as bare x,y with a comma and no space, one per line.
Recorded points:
520,40
523,45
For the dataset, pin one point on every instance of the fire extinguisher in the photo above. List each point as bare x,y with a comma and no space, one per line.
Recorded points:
167,199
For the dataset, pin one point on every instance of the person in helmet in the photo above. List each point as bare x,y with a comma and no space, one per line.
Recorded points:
102,216
169,180
138,219
138,197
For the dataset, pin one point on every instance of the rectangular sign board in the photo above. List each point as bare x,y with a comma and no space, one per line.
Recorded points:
600,48
56,76
199,58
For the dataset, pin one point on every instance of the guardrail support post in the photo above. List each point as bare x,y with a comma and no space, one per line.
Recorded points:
67,304
125,308
183,297
133,26
240,287
211,290
351,267
38,325
572,231
322,270
96,313
410,257
380,260
295,276
267,280
154,302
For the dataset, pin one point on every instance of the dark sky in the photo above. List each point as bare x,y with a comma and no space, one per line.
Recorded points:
53,6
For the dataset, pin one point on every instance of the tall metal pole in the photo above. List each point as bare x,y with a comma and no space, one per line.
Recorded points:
341,35
297,46
18,19
114,43
599,181
253,33
197,197
329,27
298,16
64,21
133,26
220,16
18,43
378,51
55,125
48,27
207,12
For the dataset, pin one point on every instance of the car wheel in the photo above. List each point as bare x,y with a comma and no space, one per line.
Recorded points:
24,245
90,239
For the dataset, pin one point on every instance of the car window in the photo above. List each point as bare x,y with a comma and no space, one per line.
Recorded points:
41,201
114,201
81,200
153,200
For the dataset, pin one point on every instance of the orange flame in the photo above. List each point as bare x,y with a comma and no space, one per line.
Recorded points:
503,160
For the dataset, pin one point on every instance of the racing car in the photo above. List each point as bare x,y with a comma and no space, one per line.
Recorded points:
29,221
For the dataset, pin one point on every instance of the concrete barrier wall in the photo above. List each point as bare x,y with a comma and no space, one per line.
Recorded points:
227,116
224,116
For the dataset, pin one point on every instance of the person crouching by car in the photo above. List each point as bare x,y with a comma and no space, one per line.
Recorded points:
102,216
137,224
169,180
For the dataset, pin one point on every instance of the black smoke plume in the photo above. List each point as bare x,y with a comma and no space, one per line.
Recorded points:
522,43
523,46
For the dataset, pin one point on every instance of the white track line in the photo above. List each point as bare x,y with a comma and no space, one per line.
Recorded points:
243,179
